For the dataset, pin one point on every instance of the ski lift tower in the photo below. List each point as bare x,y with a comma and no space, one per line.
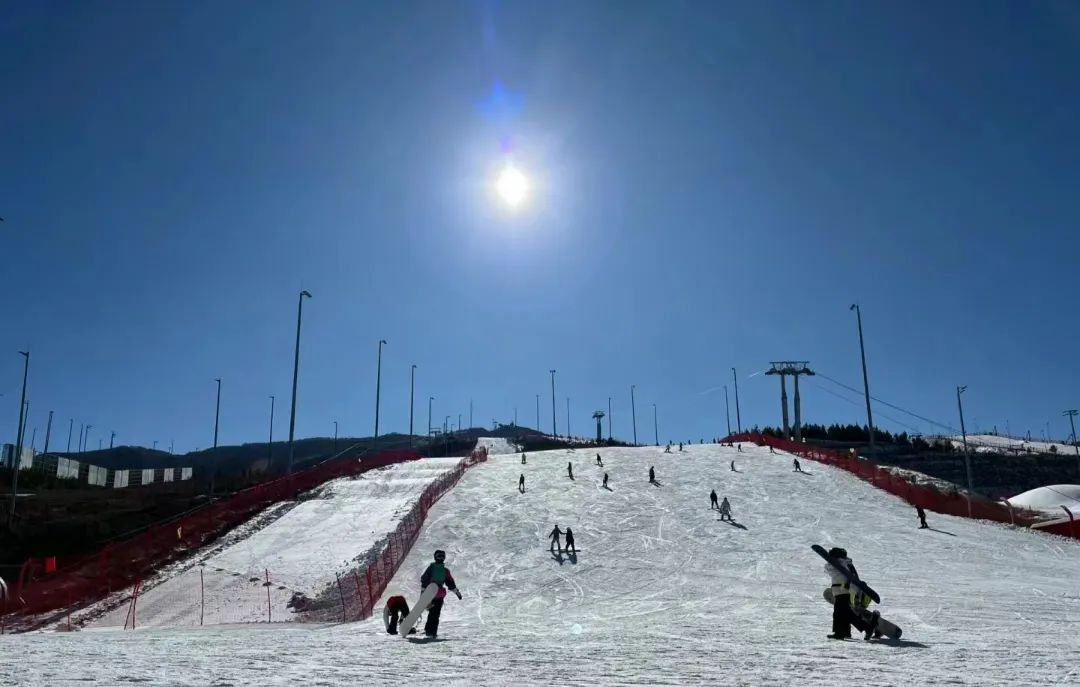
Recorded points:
599,417
790,368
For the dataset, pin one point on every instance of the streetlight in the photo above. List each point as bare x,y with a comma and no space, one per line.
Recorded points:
470,416
609,434
430,399
295,377
412,393
567,417
112,438
270,441
727,410
1076,444
82,430
554,431
963,432
538,412
217,418
71,429
866,381
48,432
633,411
656,434
16,460
335,436
86,438
378,385
738,415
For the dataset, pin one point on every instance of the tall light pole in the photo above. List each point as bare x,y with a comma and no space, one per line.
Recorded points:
217,418
16,460
470,416
430,399
335,436
738,414
727,410
270,441
967,458
866,382
48,431
378,388
656,433
86,438
1076,444
538,412
412,404
554,430
295,377
71,429
609,434
633,411
112,438
567,417
82,430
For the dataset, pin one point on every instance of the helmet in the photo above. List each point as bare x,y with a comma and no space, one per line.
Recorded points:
440,556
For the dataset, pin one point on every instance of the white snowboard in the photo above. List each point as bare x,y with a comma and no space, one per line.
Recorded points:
421,605
885,627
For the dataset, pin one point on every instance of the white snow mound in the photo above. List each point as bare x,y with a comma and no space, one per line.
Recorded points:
1050,498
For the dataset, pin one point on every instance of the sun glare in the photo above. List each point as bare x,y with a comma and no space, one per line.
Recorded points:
512,186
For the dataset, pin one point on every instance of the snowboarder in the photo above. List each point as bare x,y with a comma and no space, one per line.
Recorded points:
842,618
555,533
652,475
667,449
396,610
798,468
570,548
771,450
922,517
712,501
521,483
570,470
599,462
605,481
740,448
733,466
439,574
725,510
522,457
680,447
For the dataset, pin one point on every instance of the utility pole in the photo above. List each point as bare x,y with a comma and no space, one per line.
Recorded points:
430,399
412,404
82,429
1076,444
567,417
112,438
217,418
86,439
795,369
470,416
295,376
48,431
633,411
866,382
727,410
610,436
967,458
538,412
16,460
270,441
656,433
738,415
554,429
378,387
71,428
335,436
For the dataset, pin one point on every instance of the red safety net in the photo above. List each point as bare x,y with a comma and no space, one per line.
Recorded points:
955,502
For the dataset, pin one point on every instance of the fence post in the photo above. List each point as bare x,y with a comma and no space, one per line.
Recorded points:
1072,532
342,594
268,616
202,597
1012,520
359,598
370,591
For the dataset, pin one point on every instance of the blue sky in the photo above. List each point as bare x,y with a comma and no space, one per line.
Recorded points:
714,184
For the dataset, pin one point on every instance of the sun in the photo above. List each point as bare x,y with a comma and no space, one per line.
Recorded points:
512,186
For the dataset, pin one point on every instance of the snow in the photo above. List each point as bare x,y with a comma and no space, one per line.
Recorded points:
301,550
496,446
988,443
662,593
1050,498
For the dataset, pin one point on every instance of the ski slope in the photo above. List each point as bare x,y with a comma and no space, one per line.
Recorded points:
993,443
662,593
334,526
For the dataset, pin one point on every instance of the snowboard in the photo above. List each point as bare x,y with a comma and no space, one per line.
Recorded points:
872,618
421,605
855,581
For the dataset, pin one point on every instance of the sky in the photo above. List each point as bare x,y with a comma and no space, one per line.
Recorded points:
712,185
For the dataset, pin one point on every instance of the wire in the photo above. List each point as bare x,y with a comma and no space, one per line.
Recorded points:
886,403
857,404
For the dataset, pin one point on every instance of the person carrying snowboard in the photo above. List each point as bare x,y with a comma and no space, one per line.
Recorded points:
712,501
521,483
396,610
922,517
437,573
599,462
725,510
570,548
570,470
652,475
843,617
555,534
798,468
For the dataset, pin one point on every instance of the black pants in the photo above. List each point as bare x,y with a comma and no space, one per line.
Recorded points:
570,545
431,627
397,614
844,617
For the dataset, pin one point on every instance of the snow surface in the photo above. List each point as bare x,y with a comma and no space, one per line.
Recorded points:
496,446
662,593
301,551
986,443
1050,498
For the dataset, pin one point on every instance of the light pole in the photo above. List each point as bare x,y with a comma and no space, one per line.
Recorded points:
71,428
963,433
738,415
270,441
295,377
1076,444
86,438
430,399
335,436
866,381
727,410
538,412
48,431
412,404
82,430
470,416
112,438
378,388
554,430
633,411
656,433
16,459
217,418
609,434
567,417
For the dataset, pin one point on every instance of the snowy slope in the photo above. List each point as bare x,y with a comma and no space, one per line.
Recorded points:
661,593
496,446
301,551
1050,498
983,443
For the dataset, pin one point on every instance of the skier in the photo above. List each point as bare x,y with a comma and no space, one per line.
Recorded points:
396,610
733,466
843,618
570,470
667,449
570,548
599,462
555,539
652,475
922,517
771,450
439,574
680,447
725,510
522,457
521,483
740,448
712,500
798,468
605,481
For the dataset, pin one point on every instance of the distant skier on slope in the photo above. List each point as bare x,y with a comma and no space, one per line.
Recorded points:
680,447
599,462
522,457
555,544
725,510
570,470
652,475
922,517
842,618
521,483
395,611
740,448
605,481
798,467
570,548
437,573
667,449
712,501
733,466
